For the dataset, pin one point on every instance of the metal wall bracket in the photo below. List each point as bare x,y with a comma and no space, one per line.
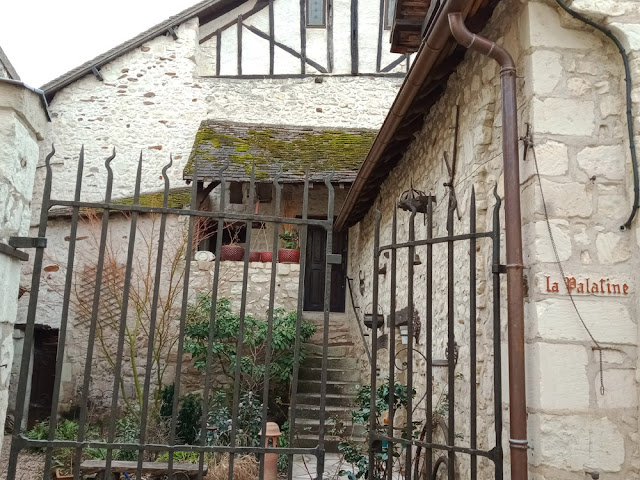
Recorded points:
28,242
12,252
334,258
97,73
499,269
173,33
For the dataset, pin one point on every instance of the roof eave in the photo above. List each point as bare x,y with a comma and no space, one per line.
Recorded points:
434,43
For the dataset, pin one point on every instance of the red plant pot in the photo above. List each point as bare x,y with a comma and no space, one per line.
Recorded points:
233,253
286,255
254,256
266,256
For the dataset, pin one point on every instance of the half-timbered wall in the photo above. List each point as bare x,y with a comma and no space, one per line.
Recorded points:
273,38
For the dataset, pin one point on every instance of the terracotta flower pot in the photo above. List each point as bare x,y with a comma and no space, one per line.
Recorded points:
286,255
254,256
266,256
233,253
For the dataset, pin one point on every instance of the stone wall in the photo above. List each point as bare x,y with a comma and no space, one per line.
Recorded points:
572,93
152,100
22,124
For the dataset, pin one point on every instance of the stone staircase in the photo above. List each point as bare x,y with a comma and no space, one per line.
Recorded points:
343,378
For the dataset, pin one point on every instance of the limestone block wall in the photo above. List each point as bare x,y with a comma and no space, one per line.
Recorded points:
22,124
572,94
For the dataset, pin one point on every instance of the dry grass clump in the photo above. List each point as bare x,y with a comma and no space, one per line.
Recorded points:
245,467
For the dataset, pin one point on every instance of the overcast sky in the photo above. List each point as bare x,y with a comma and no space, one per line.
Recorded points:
46,38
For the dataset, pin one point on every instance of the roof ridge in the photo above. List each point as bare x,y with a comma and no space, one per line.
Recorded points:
71,76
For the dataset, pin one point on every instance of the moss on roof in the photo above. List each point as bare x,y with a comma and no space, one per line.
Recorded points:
178,198
294,148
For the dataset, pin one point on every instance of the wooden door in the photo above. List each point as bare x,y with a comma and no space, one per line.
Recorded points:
315,271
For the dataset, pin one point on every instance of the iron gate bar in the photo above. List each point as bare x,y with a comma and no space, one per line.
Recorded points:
212,315
472,332
154,447
21,394
272,287
152,322
451,338
141,446
84,408
123,320
432,241
296,351
392,341
410,334
429,335
373,440
62,334
240,343
194,213
438,446
451,449
325,336
497,350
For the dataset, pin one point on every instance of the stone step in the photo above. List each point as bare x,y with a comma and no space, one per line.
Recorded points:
340,351
339,388
348,363
330,443
312,412
332,375
331,399
311,428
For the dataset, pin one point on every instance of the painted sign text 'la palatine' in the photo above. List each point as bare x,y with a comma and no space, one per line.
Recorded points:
602,286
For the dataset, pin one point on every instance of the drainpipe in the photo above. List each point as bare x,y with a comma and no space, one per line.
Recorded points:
513,230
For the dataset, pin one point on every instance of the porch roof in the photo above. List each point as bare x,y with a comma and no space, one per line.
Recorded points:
271,148
438,56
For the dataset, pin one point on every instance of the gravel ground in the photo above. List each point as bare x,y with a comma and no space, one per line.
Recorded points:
30,465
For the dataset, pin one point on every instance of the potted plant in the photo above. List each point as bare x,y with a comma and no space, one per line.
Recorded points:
234,251
290,253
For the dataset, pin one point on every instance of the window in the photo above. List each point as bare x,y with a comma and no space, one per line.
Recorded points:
264,192
389,13
235,193
316,13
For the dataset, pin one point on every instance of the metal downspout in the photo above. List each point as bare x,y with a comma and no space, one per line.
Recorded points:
513,230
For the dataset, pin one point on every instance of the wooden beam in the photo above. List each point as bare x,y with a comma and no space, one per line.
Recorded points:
355,56
256,8
380,30
239,49
290,50
303,36
330,35
272,34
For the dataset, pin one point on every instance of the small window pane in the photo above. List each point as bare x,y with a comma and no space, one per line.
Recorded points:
390,10
235,193
315,12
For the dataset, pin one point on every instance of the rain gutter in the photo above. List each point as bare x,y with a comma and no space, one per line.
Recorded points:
39,92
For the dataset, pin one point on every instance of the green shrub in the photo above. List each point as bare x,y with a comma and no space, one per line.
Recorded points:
252,364
189,418
249,420
166,400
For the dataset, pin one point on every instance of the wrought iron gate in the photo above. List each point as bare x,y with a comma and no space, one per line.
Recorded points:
142,445
430,448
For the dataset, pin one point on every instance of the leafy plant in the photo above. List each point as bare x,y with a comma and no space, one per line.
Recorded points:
289,239
252,364
283,442
249,420
353,453
166,400
189,418
181,457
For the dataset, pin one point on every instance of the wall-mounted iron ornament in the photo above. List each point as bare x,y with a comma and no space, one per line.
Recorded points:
414,199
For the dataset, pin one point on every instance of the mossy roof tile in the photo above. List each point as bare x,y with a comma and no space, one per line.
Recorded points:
291,149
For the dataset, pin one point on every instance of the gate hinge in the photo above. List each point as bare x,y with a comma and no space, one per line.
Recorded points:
499,268
334,258
28,242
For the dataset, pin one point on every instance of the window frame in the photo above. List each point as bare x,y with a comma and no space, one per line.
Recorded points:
324,15
388,22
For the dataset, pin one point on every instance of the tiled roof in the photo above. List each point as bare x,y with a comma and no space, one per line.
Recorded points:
205,10
290,149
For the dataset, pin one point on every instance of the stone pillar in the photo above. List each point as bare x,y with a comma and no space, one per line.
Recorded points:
23,121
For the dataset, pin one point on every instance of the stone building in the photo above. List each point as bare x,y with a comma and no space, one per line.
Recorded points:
321,69
442,137
581,379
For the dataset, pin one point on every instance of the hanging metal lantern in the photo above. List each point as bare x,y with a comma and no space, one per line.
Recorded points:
414,198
